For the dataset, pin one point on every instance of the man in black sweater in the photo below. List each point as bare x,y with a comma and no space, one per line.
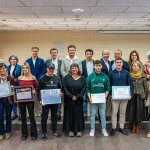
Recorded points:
49,81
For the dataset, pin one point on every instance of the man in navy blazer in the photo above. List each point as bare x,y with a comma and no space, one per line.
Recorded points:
106,68
37,67
87,69
36,64
57,62
118,54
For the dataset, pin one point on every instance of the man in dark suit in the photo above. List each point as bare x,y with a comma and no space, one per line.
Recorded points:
57,71
118,54
106,68
87,69
37,68
36,64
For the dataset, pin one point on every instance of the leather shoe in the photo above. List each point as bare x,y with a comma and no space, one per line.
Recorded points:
59,117
24,138
123,131
113,132
14,117
57,134
34,138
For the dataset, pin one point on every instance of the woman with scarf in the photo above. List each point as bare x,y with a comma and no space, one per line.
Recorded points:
147,104
136,108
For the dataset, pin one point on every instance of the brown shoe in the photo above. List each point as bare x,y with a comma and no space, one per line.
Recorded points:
137,128
133,128
148,134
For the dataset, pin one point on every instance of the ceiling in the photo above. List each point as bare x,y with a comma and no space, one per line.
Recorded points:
58,15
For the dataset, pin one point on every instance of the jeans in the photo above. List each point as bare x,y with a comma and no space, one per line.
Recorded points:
5,106
101,108
30,107
45,111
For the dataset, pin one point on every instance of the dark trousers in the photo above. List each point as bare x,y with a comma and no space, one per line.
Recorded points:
5,106
45,111
30,107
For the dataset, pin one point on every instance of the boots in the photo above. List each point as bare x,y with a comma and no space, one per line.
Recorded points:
137,128
133,128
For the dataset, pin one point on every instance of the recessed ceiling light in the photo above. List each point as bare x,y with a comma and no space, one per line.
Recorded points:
77,10
34,23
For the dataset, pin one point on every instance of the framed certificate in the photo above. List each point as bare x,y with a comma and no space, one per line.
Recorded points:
5,89
23,94
120,92
98,98
50,96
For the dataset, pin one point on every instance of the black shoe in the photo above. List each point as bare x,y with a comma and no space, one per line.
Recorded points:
113,132
34,138
24,138
44,137
108,118
14,117
123,131
85,118
19,118
59,117
57,134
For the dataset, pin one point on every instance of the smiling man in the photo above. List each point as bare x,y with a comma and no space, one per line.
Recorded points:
98,83
70,59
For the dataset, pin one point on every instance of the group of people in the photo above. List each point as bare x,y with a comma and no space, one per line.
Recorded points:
78,81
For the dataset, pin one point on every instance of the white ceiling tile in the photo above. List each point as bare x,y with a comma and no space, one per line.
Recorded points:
130,15
147,16
100,22
59,2
40,19
96,9
138,9
30,10
90,19
64,15
9,3
123,3
10,16
131,19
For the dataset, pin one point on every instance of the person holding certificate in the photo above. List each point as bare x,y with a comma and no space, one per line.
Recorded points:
119,77
136,106
74,86
98,87
49,82
26,79
14,69
6,101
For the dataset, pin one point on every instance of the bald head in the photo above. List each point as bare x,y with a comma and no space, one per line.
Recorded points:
105,54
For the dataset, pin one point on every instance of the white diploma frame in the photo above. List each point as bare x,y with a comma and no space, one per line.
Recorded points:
120,92
98,98
5,89
50,96
23,94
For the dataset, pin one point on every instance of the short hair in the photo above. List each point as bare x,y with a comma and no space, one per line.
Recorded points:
89,50
34,47
3,65
53,49
119,50
105,50
118,59
96,62
71,46
10,57
75,65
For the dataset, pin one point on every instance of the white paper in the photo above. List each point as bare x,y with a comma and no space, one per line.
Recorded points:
98,98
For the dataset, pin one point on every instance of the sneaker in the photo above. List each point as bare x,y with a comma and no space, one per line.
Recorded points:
92,132
79,134
2,136
104,132
7,136
71,134
148,134
14,117
44,137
